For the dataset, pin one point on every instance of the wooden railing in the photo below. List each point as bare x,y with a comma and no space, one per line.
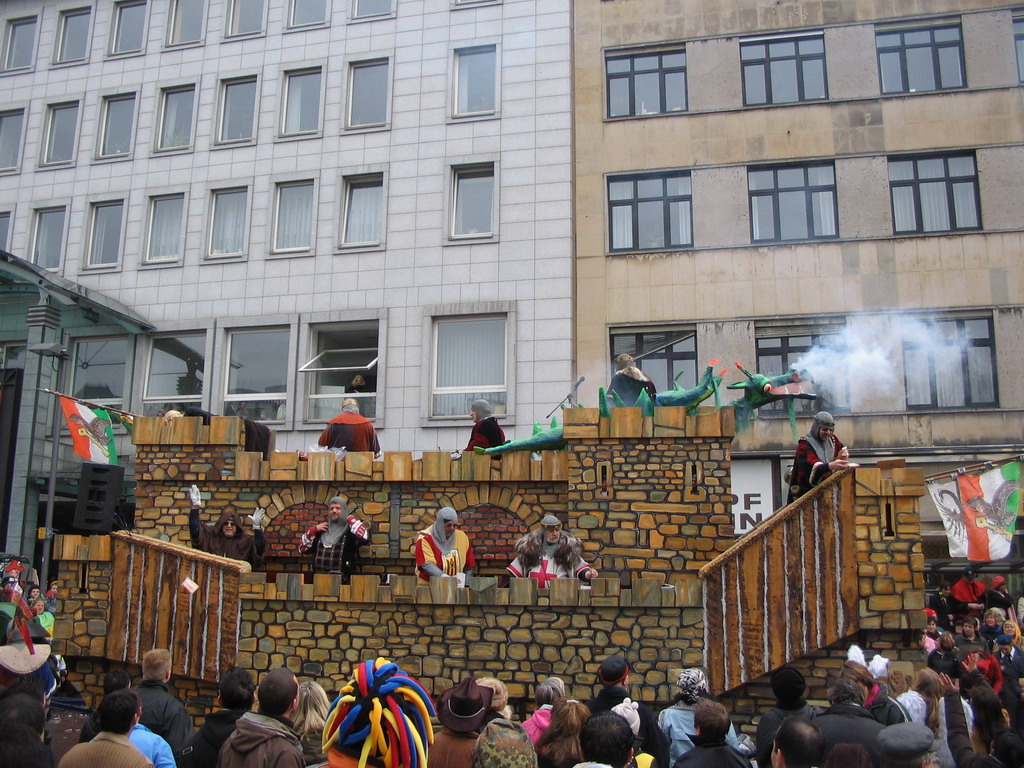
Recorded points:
149,608
787,588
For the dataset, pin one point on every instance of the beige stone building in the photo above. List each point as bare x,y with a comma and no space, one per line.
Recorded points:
834,186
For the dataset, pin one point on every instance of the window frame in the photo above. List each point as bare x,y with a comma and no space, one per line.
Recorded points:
61,41
9,43
631,77
1018,44
289,77
372,369
634,205
215,196
7,219
461,55
148,399
165,95
20,144
353,68
789,351
503,411
37,220
94,231
356,17
173,18
774,193
468,171
965,344
116,401
676,361
222,113
279,188
949,182
116,23
104,133
292,25
285,396
154,200
935,46
49,136
234,15
360,180
799,58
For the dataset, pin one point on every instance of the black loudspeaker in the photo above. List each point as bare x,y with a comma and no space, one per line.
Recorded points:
99,489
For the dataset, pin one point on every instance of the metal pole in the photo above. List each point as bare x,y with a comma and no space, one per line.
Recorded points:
51,485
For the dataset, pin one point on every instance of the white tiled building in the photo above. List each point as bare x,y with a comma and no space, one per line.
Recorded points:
244,189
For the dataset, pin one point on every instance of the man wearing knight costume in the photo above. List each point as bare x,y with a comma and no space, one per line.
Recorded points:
442,549
818,454
335,542
550,553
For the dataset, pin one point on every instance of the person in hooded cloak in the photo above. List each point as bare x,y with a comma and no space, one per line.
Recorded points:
443,549
226,537
818,454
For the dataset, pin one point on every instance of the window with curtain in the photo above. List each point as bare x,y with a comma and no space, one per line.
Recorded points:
128,33
294,221
364,8
165,217
175,375
48,237
781,70
920,59
469,364
10,137
306,12
473,204
237,109
793,202
118,118
364,210
950,364
938,193
73,36
98,370
780,348
257,374
227,233
368,94
105,243
647,83
61,133
475,80
20,43
344,364
650,211
186,22
5,229
246,17
176,117
302,102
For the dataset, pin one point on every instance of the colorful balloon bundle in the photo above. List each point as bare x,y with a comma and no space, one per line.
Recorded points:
383,716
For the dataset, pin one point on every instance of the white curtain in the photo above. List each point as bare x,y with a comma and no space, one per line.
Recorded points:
228,223
165,235
294,216
177,128
622,226
303,110
363,218
106,233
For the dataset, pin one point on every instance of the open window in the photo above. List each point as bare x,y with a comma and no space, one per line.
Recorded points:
343,364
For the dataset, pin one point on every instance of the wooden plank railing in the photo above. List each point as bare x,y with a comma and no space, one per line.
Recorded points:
787,588
150,609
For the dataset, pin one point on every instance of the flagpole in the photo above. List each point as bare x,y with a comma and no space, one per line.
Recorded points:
951,473
88,402
51,483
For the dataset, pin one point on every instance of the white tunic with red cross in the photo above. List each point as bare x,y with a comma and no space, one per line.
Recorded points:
547,569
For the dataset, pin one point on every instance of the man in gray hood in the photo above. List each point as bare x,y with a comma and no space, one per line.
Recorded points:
335,542
818,454
265,739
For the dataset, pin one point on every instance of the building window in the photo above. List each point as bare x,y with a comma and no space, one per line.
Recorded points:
227,233
176,117
780,70
344,365
186,22
307,12
364,210
246,17
177,368
667,355
238,110
12,356
469,364
129,31
165,231
99,370
923,59
934,194
650,211
20,43
646,83
257,374
10,138
473,207
950,364
73,37
116,133
61,131
5,229
364,8
293,225
368,94
48,237
105,241
474,80
1018,42
301,102
781,349
793,203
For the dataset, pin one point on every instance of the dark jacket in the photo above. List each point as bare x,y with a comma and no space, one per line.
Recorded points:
769,724
261,741
887,710
712,753
164,715
653,739
201,750
944,609
959,740
486,434
946,663
850,724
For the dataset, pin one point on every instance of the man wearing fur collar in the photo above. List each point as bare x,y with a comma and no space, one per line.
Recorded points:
630,381
550,553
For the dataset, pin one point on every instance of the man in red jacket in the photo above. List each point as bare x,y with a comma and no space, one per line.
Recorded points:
350,430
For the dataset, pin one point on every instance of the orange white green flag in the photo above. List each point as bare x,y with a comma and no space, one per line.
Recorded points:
92,435
979,510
